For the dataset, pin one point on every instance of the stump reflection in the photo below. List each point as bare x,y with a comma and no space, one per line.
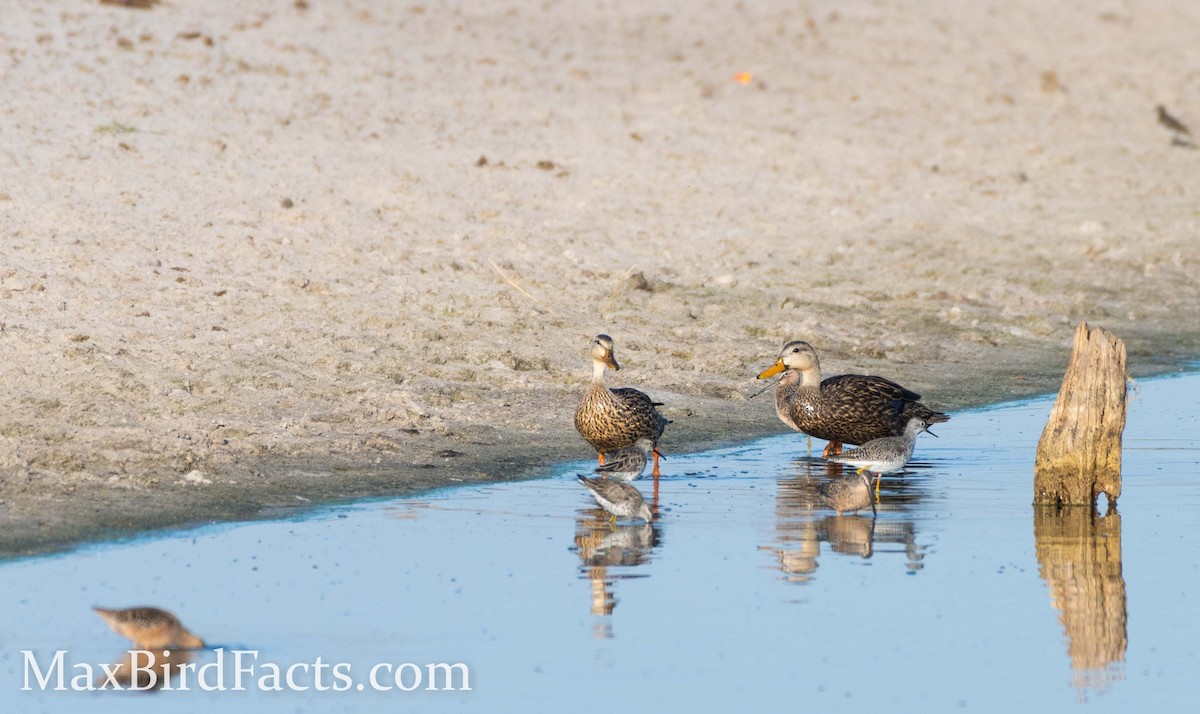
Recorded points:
1079,557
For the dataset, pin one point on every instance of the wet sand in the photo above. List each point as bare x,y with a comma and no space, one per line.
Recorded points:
319,251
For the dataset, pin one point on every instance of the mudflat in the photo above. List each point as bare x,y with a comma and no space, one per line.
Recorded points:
265,256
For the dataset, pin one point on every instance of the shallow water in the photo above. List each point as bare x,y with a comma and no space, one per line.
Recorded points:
745,594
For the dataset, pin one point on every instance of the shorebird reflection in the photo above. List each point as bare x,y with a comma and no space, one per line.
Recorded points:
161,646
602,545
807,505
849,493
146,670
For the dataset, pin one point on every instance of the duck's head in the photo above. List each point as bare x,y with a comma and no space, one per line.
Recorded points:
602,351
796,355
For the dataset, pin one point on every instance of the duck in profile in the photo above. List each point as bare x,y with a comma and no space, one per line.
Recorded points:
150,628
611,419
845,409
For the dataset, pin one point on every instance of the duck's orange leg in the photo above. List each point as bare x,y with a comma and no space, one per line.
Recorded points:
600,456
833,448
656,473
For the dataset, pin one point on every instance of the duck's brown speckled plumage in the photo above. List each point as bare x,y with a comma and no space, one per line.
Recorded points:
846,409
611,419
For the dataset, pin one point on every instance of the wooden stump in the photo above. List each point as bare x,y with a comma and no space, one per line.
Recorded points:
1079,454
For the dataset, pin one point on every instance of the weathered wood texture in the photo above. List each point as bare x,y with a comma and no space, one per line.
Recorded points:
1079,454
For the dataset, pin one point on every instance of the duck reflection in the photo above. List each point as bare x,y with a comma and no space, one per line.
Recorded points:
803,520
1079,557
601,545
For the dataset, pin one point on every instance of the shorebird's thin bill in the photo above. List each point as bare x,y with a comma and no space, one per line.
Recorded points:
752,396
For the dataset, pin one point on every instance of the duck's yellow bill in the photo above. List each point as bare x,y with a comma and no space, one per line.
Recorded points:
612,362
772,370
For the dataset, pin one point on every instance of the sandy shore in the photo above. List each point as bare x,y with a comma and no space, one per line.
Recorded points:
260,259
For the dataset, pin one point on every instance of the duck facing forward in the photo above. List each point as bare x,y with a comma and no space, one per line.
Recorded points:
611,419
845,409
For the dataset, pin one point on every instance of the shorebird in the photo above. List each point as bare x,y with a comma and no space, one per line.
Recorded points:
883,456
845,409
611,419
150,628
620,498
847,494
628,464
1170,122
1180,134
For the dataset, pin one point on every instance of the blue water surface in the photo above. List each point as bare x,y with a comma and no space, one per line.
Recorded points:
746,594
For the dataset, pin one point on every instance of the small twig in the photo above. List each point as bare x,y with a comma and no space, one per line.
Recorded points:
520,289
